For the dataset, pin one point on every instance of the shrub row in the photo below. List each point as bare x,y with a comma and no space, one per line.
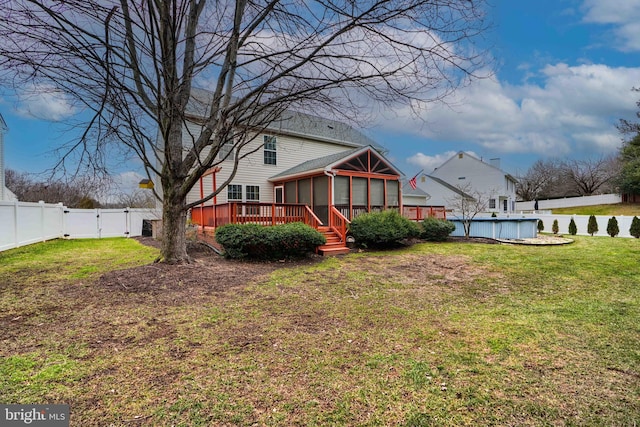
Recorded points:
374,230
382,229
274,242
389,229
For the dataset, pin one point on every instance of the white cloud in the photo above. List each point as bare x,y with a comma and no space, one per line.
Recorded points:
44,102
573,111
623,15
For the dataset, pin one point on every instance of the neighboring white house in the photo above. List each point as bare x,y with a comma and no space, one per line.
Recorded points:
464,175
5,193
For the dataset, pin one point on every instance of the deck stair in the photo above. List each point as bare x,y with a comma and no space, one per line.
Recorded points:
334,245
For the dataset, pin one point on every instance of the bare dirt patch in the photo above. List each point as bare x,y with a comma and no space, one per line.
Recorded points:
208,273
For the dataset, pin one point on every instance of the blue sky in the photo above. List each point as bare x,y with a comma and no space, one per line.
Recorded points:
564,70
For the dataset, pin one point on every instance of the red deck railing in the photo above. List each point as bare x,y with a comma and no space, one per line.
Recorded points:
419,213
273,214
253,213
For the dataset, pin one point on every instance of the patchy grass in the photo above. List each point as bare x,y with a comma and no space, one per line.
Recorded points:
439,334
627,209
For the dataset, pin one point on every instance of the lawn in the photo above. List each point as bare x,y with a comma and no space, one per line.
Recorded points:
627,209
442,334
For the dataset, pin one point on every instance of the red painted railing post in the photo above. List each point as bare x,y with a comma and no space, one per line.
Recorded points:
273,214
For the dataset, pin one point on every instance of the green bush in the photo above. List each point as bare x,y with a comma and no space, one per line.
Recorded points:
540,225
612,227
635,227
573,228
436,230
554,227
592,226
275,242
382,229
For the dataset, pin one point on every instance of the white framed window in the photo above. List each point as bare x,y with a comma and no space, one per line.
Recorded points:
252,193
492,203
227,151
270,157
234,192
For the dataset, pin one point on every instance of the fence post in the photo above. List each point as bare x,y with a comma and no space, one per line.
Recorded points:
15,223
42,220
127,222
98,228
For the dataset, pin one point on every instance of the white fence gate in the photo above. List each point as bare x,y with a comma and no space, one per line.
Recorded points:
23,223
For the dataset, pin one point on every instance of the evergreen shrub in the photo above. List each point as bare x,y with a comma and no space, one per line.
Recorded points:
592,226
635,227
573,228
273,242
555,228
540,225
612,227
382,229
436,230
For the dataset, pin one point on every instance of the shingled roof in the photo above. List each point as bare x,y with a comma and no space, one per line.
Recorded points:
316,164
295,123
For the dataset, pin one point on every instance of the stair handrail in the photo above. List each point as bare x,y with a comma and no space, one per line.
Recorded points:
311,219
338,223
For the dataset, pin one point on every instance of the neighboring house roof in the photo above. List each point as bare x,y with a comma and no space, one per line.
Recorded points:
326,163
9,196
295,123
509,176
407,190
450,187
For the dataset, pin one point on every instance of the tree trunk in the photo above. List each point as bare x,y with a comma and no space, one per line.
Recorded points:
174,221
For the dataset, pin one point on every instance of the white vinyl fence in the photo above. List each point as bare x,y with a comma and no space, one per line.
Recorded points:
570,202
582,221
23,223
545,207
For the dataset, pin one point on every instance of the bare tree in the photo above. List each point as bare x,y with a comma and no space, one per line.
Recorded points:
568,178
539,181
136,199
467,204
627,127
134,65
591,176
79,192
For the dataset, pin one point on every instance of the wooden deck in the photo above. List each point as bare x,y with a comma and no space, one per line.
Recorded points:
210,217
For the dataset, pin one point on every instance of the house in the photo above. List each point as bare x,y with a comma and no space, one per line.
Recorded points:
5,193
466,176
302,167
